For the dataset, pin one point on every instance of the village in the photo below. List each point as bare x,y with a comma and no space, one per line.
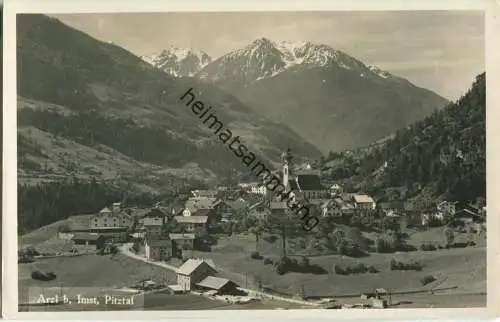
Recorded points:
188,237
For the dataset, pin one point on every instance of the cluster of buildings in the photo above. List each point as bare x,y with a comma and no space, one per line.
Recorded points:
166,233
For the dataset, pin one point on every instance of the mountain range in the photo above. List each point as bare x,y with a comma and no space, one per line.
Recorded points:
88,108
330,98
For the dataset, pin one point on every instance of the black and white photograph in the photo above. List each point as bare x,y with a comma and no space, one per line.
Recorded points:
251,160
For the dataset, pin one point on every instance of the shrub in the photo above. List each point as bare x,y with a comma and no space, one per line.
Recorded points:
427,279
427,247
268,261
63,228
449,236
256,255
383,246
270,239
394,265
357,269
31,251
304,261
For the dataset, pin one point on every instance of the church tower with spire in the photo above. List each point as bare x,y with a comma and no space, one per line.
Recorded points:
286,161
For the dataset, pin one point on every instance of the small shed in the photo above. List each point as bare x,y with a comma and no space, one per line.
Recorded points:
221,285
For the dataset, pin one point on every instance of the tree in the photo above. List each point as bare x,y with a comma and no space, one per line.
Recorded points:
449,236
304,261
63,228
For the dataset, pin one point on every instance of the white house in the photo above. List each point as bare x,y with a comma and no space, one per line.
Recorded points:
364,202
192,272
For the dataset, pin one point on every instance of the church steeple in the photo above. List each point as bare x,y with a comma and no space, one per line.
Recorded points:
286,160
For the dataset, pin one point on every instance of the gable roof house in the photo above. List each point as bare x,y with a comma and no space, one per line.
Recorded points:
207,193
158,249
364,202
330,208
107,219
392,209
193,271
193,223
219,286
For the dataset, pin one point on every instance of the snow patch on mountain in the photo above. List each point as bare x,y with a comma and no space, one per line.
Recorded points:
379,72
179,61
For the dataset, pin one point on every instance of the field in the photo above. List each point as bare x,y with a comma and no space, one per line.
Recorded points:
464,270
89,271
47,232
93,275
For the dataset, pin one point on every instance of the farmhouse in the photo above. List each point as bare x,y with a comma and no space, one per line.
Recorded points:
88,239
364,202
205,193
330,208
158,249
115,217
259,189
466,216
179,240
392,209
153,227
193,271
193,223
220,286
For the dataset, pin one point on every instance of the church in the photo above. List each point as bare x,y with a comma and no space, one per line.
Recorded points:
304,182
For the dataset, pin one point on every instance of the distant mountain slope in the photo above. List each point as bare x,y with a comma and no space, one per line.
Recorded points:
443,155
84,92
179,61
327,96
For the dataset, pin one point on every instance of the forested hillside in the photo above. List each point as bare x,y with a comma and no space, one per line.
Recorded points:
443,155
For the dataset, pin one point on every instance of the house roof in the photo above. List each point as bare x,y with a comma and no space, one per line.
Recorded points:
215,283
465,213
160,243
347,206
257,205
278,205
191,219
178,236
192,264
328,203
85,236
205,192
363,198
309,182
347,197
105,210
154,213
237,204
200,203
202,212
153,221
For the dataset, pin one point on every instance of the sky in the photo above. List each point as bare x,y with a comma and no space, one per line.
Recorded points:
442,51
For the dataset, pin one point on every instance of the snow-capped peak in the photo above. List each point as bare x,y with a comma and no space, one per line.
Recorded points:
264,58
179,61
